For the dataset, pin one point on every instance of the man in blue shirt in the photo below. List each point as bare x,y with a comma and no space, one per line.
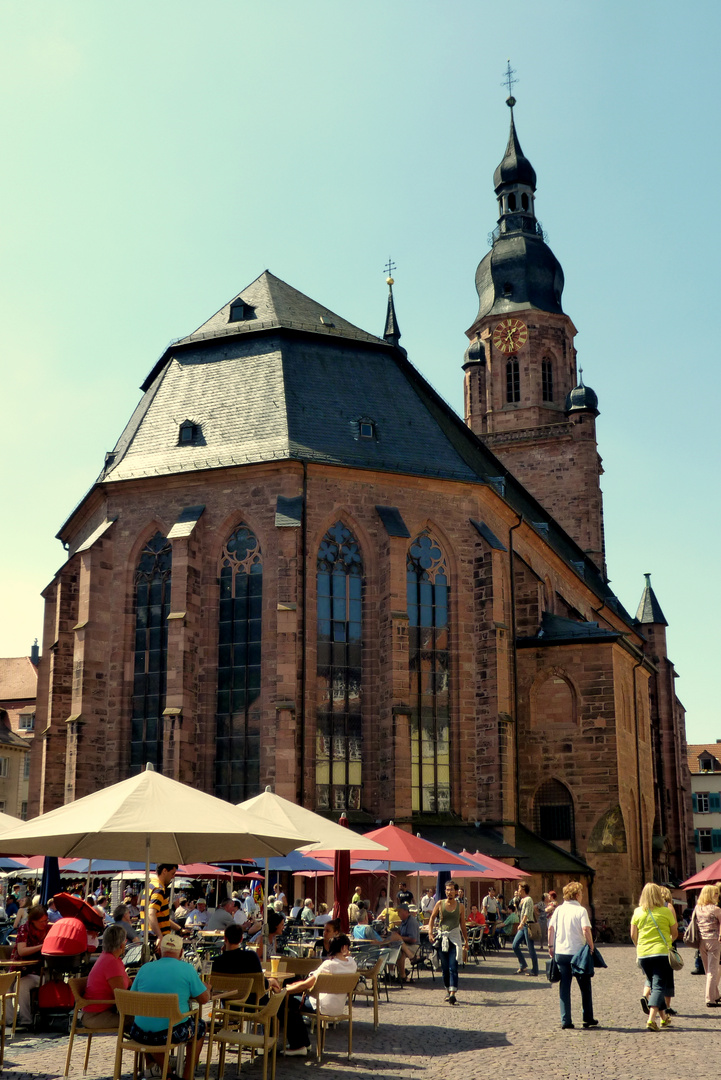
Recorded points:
170,975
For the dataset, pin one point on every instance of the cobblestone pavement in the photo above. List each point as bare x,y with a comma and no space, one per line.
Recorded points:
504,1025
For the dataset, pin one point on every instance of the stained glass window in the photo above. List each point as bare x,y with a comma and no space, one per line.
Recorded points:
427,594
152,607
338,739
237,740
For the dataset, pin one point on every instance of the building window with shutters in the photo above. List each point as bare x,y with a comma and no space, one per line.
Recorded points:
339,581
704,841
152,607
702,802
429,659
237,718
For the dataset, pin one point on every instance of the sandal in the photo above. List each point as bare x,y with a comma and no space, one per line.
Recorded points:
644,1004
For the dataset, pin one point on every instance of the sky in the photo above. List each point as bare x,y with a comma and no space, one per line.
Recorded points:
159,156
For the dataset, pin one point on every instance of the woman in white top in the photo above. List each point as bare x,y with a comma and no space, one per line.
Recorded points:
568,931
339,962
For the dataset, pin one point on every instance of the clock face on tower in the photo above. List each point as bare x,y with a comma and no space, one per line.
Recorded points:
510,335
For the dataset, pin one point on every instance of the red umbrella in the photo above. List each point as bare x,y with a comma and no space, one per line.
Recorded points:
72,907
341,883
403,847
709,876
496,870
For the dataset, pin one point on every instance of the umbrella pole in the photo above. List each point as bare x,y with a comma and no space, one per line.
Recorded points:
87,880
146,906
388,899
265,913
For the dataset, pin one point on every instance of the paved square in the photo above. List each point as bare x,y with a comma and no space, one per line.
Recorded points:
505,1025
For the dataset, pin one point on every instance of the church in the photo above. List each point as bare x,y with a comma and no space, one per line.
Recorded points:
299,567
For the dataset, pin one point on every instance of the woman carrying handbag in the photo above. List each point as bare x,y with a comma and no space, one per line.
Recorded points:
653,931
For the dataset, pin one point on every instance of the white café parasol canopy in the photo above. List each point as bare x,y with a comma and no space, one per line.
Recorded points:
286,814
151,818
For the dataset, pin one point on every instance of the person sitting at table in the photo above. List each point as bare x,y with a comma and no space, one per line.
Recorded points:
476,916
236,961
276,924
121,918
390,916
307,914
181,910
296,910
131,903
330,930
101,905
240,915
21,916
28,946
53,913
199,918
339,962
107,975
363,931
409,933
222,917
323,916
170,975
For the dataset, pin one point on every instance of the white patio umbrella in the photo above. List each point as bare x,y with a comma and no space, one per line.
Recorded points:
285,813
150,817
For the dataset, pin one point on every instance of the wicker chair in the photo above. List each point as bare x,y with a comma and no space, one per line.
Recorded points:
8,995
333,984
78,987
160,1006
227,1030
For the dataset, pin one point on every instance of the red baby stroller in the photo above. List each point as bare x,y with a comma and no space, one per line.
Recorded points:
64,950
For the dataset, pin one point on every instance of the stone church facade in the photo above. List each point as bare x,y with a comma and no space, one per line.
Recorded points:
299,567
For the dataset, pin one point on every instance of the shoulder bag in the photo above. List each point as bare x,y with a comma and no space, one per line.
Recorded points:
692,934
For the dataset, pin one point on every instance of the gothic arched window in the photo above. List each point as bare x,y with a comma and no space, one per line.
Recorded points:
553,813
152,607
513,381
547,379
427,594
338,740
237,731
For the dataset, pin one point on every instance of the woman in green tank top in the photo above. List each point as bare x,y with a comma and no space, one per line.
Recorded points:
449,922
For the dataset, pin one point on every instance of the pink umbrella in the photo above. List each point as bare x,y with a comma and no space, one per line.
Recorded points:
495,869
709,876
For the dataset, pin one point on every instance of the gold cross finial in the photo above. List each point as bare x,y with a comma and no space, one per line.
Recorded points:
509,81
389,268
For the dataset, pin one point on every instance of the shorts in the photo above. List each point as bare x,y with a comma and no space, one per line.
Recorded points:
181,1033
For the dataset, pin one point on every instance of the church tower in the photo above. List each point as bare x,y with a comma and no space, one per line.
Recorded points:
523,395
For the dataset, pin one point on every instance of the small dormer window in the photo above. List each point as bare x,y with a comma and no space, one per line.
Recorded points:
188,433
367,429
240,311
326,320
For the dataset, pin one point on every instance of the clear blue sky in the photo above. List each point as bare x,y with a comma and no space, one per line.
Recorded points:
158,156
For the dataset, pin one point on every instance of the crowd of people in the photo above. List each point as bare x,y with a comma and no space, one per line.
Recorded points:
565,925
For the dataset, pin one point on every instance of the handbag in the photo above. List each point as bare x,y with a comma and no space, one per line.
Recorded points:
552,971
692,934
534,931
675,959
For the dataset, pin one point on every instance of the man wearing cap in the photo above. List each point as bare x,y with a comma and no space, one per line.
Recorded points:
249,903
159,920
222,917
199,918
170,975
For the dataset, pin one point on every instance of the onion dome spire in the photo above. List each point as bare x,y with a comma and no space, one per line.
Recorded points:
392,333
582,398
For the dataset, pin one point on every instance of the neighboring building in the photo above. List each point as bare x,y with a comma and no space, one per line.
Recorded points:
704,762
300,567
18,693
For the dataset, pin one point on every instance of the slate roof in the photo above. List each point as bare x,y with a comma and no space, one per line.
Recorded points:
693,753
18,678
557,630
649,609
542,857
292,381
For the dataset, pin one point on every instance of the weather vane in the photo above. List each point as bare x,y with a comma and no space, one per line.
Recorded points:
509,81
389,268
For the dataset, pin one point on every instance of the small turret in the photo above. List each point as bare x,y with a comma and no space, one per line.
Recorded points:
581,399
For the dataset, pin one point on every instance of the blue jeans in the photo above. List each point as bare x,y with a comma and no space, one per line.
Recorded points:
449,967
524,937
564,988
658,972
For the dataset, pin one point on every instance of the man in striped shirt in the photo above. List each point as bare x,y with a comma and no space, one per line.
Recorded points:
159,920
